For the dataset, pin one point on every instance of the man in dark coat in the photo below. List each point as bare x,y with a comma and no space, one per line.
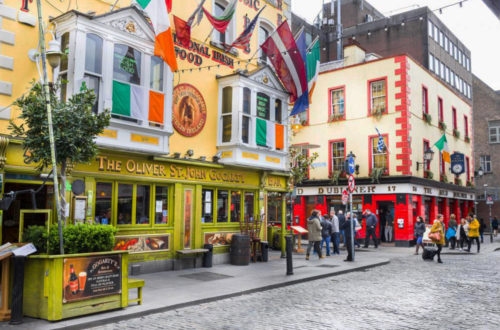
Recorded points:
371,227
348,238
341,218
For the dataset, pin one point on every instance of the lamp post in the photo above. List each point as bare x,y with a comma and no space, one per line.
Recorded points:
52,55
351,168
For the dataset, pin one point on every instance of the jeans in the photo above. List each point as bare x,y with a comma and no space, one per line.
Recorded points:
342,232
335,239
481,233
370,232
327,240
453,241
463,239
316,248
438,252
477,241
388,233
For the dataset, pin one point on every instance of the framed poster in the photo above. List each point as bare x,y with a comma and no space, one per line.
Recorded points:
219,238
142,243
79,209
90,277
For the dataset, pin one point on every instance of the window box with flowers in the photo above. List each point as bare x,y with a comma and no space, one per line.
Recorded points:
336,117
467,139
442,126
443,178
458,181
469,184
427,118
428,174
378,97
456,133
335,176
376,174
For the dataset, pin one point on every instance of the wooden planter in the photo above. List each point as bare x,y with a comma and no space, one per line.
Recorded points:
49,294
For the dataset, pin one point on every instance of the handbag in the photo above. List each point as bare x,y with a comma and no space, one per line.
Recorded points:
436,236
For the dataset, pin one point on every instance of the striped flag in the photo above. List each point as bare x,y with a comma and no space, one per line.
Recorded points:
158,11
282,50
269,134
220,23
244,39
183,28
313,64
130,100
380,144
442,145
302,103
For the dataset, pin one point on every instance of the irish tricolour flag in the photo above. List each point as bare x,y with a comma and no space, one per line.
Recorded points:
442,145
269,134
136,102
158,11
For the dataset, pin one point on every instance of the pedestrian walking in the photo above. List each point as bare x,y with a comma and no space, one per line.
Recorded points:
451,233
335,232
357,230
437,235
314,227
389,226
326,233
341,217
371,225
418,232
348,236
482,227
462,234
494,225
474,234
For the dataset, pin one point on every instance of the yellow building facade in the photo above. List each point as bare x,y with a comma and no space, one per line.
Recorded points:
362,95
181,169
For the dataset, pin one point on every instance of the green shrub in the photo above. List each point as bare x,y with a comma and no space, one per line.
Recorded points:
80,238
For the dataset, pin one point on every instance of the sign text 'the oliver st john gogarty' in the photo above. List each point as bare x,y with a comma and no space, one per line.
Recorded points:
171,171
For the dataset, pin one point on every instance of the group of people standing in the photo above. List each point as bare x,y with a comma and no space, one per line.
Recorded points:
469,230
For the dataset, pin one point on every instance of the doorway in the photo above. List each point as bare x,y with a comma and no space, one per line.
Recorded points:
386,221
23,201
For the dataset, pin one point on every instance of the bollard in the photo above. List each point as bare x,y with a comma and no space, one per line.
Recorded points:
17,290
289,261
208,256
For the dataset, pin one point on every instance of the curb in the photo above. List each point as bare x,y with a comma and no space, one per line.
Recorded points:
114,319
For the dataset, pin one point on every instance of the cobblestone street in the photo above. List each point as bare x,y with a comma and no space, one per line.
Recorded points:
462,293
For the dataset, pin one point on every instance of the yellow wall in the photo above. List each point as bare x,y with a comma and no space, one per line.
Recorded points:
204,144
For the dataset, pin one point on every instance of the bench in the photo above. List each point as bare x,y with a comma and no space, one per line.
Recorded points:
134,283
190,253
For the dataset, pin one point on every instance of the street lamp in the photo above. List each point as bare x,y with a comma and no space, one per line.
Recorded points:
428,156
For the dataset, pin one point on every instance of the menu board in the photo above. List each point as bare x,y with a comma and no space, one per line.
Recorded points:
90,277
263,105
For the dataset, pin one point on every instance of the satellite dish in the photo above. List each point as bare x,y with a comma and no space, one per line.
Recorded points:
78,187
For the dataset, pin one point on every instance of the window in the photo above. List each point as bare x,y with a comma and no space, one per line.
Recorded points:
142,204
156,75
431,62
125,201
161,205
263,106
127,64
425,101
430,28
235,206
337,103
446,43
441,39
222,205
466,126
436,66
467,166
378,96
93,66
227,106
379,157
485,163
460,57
436,34
249,206
220,37
245,123
447,74
454,114
338,156
63,73
440,109
274,207
263,35
441,70
304,117
207,212
467,62
278,111
427,165
103,202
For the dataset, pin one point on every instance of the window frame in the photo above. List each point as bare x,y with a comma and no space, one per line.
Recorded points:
426,145
371,155
466,126
454,117
229,223
330,102
440,109
425,99
369,83
485,163
330,155
226,114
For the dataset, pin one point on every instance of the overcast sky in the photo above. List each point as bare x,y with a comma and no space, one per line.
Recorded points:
473,23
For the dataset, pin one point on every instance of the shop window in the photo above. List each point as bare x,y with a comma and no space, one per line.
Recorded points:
278,111
125,202
249,206
127,64
338,156
425,100
227,106
103,202
337,103
63,73
380,158
161,205
222,205
235,206
378,97
485,163
207,213
263,106
275,207
142,205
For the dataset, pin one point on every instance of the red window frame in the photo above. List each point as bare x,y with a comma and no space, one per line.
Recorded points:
330,90
425,99
467,166
466,126
440,109
330,142
426,145
454,112
369,90
370,153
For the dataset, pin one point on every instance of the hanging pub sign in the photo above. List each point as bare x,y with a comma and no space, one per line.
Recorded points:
457,163
189,110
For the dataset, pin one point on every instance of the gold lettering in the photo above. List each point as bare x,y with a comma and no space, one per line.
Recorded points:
155,170
162,170
111,165
118,166
130,166
212,175
102,160
149,168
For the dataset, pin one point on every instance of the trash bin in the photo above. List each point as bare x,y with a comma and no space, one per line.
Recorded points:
208,256
240,250
265,251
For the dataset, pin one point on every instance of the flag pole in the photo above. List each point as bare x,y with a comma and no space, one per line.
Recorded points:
208,36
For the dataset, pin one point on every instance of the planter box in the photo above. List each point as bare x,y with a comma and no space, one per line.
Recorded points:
99,283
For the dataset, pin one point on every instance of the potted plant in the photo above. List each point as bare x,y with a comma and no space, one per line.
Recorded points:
456,133
335,176
376,174
427,118
469,184
443,178
377,112
442,126
467,139
428,174
458,181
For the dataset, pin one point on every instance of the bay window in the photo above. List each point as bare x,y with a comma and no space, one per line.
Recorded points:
247,108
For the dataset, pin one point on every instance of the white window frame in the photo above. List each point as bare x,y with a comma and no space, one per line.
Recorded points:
431,61
230,32
485,163
333,158
269,27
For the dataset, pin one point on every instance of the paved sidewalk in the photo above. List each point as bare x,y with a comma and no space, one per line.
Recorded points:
170,290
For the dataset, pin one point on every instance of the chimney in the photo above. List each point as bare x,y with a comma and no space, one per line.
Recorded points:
353,53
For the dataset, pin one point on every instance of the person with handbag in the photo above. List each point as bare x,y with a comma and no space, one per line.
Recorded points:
437,235
461,234
474,233
419,233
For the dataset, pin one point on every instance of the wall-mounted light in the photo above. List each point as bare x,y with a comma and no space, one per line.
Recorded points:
428,156
189,153
177,155
403,23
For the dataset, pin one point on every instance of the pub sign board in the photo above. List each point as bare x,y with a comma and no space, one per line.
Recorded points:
89,277
457,163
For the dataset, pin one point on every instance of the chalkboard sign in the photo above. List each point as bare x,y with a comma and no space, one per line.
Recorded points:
263,105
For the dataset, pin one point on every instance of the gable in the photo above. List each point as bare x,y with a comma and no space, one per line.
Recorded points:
266,76
130,21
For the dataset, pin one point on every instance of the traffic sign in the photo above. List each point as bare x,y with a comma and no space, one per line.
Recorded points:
352,183
351,166
345,196
489,200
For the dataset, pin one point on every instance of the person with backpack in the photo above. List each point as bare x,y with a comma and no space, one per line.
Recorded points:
474,233
314,237
437,235
418,232
326,233
451,233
